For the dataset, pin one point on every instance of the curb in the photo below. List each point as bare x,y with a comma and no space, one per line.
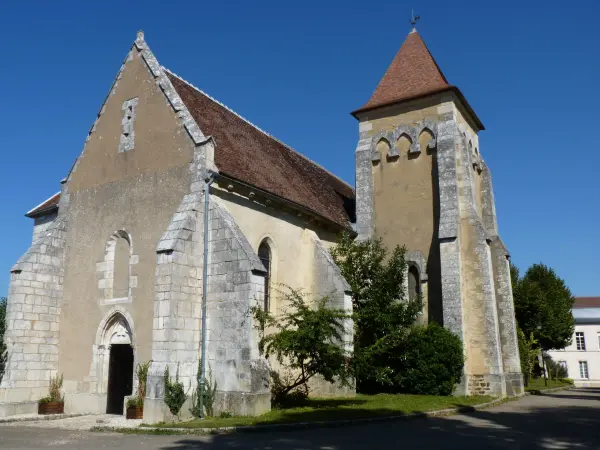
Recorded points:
302,425
547,391
40,417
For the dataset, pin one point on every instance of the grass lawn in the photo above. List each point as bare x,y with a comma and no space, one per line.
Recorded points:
537,384
361,406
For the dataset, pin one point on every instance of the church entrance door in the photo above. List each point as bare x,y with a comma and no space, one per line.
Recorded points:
120,377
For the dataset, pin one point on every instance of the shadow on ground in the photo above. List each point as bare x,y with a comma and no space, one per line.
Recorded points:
550,426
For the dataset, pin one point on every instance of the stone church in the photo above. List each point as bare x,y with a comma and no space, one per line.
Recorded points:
114,274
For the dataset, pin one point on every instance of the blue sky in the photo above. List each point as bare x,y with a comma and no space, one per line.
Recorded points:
529,69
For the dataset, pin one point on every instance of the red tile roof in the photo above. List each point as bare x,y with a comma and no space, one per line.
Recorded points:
46,207
413,73
248,154
587,302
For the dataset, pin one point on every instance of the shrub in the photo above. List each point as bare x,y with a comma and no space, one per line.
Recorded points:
430,361
210,390
174,392
307,338
56,383
280,396
134,402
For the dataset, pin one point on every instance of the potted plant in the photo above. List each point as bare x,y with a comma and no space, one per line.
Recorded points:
54,403
135,404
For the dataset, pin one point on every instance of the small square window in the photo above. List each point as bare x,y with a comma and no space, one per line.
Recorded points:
580,340
583,370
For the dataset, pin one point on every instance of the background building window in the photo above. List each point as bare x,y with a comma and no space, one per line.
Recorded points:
563,364
583,370
580,340
598,340
264,253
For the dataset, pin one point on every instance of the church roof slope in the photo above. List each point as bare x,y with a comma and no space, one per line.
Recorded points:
412,73
46,207
248,154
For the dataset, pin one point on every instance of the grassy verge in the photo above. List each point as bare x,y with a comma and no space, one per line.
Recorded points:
537,384
359,407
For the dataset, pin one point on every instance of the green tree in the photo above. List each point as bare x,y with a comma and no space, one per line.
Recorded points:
543,306
2,330
307,338
382,313
528,352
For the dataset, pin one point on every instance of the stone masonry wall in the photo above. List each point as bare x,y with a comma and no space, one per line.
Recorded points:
41,224
235,285
33,311
328,281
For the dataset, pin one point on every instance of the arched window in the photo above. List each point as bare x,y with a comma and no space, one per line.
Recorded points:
414,283
264,253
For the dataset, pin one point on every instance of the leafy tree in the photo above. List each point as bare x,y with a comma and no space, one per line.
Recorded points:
2,330
543,306
382,313
528,353
307,339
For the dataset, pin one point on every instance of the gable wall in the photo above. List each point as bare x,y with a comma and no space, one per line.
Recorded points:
137,191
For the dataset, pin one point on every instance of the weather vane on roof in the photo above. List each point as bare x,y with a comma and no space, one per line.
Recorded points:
414,19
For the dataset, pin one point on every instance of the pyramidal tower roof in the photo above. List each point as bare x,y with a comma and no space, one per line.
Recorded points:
413,73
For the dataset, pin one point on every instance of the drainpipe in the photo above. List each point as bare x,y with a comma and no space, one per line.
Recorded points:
210,177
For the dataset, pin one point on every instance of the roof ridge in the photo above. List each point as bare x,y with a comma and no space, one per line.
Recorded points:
256,126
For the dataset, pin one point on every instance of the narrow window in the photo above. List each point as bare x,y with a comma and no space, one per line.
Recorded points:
583,370
598,340
127,140
414,284
121,268
580,340
264,253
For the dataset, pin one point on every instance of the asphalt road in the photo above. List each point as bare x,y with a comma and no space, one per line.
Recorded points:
563,420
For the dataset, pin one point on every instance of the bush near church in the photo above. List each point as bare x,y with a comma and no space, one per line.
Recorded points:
391,354
430,361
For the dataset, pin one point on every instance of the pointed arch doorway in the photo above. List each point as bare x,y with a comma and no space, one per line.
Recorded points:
120,363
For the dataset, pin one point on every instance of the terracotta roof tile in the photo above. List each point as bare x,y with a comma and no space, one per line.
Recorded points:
250,155
47,206
587,302
412,73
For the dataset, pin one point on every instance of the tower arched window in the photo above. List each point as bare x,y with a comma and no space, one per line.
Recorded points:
264,254
414,283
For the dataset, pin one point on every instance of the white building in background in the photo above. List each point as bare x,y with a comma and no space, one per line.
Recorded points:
582,357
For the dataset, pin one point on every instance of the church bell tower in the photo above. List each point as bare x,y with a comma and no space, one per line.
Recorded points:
421,182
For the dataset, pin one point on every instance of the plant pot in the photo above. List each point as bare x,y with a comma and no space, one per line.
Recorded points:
51,408
135,412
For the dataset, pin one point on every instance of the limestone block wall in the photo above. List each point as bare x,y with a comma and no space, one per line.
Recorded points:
33,311
42,223
476,298
328,281
235,285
